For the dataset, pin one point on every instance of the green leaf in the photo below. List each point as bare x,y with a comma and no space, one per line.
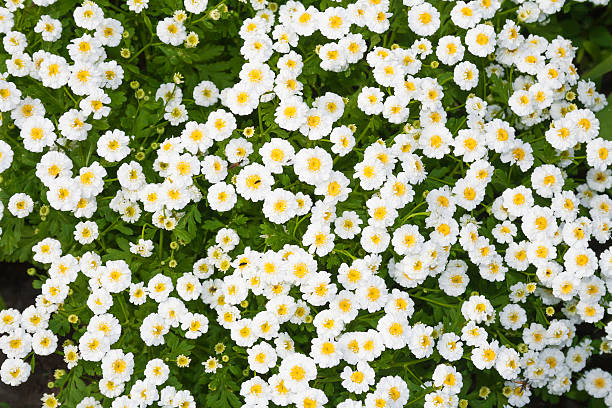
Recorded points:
123,229
605,119
212,225
601,36
59,325
592,49
601,69
184,235
147,22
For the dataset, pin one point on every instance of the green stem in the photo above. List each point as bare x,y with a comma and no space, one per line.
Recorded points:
421,396
407,363
459,127
110,226
161,243
507,11
435,302
297,224
413,210
70,95
455,107
413,374
121,301
149,44
261,130
342,251
438,180
417,214
309,58
363,133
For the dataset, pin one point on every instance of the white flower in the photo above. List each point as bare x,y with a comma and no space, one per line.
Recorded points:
359,380
466,75
370,101
49,28
20,205
14,371
221,196
423,19
86,232
450,50
171,31
95,104
481,40
113,145
37,133
63,194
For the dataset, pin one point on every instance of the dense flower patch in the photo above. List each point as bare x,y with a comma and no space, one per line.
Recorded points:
314,204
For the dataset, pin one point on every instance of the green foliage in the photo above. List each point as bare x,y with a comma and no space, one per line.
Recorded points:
151,63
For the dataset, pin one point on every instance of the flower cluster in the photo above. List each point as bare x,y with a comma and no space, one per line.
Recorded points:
380,187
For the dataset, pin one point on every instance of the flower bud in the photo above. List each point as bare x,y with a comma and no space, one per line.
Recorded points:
44,210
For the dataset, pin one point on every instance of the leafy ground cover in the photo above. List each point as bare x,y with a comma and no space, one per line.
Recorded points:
326,203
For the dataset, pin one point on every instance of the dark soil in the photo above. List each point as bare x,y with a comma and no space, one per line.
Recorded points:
16,292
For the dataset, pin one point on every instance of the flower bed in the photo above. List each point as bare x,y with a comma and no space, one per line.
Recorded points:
342,204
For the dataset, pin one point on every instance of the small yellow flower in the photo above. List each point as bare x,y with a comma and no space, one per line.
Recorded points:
49,401
219,348
180,16
248,131
192,40
182,360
